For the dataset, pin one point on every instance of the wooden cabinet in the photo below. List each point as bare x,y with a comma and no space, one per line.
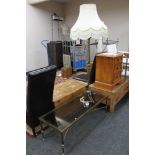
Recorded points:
108,70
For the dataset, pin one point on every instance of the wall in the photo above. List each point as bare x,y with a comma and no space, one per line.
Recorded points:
38,28
114,13
38,25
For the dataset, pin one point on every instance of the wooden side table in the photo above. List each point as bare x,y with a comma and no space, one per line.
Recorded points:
114,96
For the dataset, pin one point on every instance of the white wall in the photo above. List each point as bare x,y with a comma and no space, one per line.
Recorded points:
38,28
38,25
114,13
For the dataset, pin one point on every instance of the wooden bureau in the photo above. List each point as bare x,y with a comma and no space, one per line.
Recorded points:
108,70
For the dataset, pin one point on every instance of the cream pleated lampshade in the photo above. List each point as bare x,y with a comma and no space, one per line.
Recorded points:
88,24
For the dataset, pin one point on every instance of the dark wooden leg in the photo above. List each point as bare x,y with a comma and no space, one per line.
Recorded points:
106,103
34,132
42,131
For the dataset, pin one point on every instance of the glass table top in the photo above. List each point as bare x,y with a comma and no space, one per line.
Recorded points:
64,116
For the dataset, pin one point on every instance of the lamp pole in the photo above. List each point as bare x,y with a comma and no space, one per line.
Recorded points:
88,50
88,64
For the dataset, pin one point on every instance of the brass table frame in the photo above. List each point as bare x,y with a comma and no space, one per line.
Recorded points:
64,131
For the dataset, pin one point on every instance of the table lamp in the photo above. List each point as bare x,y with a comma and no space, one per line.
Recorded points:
89,25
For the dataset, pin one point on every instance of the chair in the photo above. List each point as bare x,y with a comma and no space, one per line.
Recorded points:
39,94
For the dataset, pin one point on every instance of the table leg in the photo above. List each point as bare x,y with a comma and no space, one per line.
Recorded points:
106,102
34,132
42,131
111,108
62,144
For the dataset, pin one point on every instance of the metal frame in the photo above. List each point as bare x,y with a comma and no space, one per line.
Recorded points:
64,131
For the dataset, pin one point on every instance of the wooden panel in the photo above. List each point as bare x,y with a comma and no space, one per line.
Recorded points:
103,73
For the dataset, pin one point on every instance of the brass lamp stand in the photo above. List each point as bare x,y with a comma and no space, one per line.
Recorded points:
86,28
88,95
88,64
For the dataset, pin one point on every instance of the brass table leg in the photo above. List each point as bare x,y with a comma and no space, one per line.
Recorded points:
42,131
62,144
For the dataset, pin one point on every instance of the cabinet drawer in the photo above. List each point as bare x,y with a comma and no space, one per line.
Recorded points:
118,67
117,76
118,60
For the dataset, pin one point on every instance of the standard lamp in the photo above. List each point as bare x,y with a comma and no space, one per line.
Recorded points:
89,25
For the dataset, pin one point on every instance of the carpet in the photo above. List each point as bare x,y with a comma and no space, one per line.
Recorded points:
98,133
59,79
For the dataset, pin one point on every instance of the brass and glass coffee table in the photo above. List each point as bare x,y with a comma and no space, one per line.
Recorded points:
65,116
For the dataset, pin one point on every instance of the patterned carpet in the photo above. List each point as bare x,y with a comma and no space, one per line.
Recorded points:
59,79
